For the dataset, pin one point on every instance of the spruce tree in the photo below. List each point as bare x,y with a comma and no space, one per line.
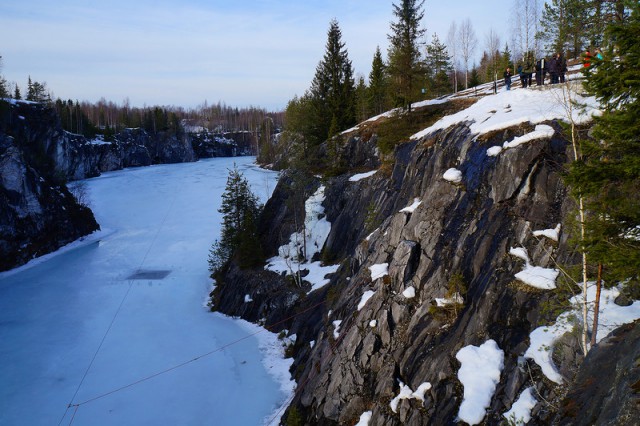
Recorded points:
362,101
332,90
608,174
378,84
438,65
240,210
405,69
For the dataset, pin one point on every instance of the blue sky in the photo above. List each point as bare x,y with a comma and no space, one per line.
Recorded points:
260,52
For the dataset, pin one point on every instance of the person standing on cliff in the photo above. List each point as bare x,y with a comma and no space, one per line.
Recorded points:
507,78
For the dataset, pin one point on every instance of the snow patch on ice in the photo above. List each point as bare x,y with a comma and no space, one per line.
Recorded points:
275,363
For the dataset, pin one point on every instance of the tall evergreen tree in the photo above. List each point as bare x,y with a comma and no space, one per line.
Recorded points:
438,65
405,71
362,101
608,174
564,24
378,84
240,210
332,89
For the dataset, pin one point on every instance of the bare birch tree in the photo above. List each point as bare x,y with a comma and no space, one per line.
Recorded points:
468,42
452,46
525,26
492,41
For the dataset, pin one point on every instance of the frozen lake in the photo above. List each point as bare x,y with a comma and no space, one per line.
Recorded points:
76,329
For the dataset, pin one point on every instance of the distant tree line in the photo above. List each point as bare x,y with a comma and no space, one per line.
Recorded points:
107,117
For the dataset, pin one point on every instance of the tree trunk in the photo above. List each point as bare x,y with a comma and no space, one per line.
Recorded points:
596,308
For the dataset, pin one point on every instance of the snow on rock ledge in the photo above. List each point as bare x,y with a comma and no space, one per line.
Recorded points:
479,373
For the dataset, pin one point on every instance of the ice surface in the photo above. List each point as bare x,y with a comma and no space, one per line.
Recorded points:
55,312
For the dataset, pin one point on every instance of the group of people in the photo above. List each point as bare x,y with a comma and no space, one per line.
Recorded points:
556,67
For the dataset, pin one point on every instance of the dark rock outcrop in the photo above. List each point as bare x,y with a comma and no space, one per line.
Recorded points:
38,214
456,241
606,390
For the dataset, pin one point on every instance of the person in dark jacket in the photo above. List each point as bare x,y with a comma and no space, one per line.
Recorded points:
507,78
563,67
523,79
541,70
529,67
554,68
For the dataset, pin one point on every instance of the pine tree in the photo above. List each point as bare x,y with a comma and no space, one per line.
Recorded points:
240,210
405,69
332,90
16,94
564,23
377,85
608,174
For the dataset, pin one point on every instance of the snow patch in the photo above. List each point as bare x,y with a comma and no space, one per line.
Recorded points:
538,277
611,316
494,151
520,252
479,374
247,298
412,207
360,176
520,412
407,393
456,299
409,292
552,234
453,175
296,256
365,298
542,131
514,107
336,328
365,418
379,270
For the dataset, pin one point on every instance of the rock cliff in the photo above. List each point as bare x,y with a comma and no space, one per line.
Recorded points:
428,249
38,214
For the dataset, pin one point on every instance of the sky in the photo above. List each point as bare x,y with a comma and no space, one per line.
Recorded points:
242,53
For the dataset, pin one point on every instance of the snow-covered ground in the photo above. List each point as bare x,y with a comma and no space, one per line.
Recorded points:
78,313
